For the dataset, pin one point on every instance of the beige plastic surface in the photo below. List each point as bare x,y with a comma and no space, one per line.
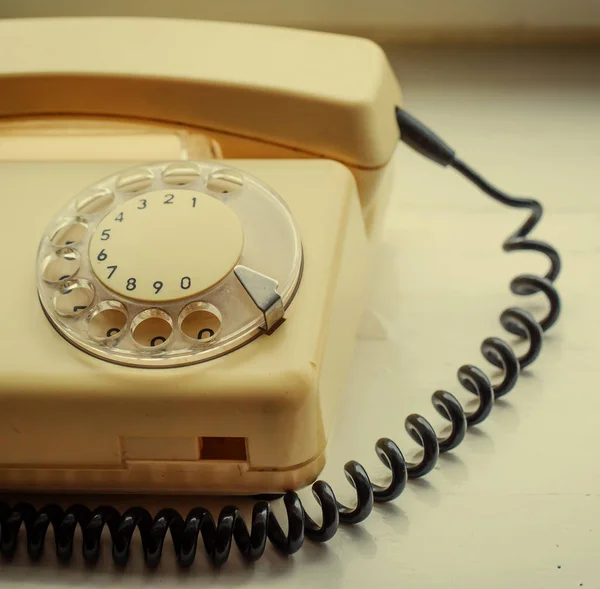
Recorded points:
322,94
68,139
274,393
55,138
316,96
160,224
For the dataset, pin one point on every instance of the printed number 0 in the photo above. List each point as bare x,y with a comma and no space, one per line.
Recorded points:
131,284
186,282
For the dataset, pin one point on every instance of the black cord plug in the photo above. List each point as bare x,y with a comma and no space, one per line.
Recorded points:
422,139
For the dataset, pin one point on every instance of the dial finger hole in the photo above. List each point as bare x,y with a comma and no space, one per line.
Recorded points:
200,322
106,321
61,265
73,298
181,173
152,328
136,180
69,233
225,182
95,201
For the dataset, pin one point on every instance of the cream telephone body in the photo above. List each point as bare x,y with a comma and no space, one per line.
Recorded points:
187,233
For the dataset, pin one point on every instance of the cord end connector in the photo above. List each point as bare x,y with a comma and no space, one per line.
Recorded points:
422,139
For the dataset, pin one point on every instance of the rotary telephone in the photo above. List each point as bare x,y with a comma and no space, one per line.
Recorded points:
191,222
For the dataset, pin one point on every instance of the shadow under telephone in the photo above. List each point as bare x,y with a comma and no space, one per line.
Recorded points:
203,218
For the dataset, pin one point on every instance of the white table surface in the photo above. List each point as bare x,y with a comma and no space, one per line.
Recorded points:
518,504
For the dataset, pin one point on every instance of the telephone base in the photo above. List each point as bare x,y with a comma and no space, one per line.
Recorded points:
168,477
253,420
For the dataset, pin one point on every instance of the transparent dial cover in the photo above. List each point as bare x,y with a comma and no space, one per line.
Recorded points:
139,269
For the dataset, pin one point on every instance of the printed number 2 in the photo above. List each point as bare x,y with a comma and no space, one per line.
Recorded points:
169,199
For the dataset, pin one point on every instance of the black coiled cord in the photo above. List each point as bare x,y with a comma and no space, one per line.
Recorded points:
217,536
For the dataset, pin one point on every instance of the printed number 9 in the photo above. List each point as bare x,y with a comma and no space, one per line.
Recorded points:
157,286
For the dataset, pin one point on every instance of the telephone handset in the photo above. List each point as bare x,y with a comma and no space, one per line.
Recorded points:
190,321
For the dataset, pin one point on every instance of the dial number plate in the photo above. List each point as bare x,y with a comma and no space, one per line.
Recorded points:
169,263
166,245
